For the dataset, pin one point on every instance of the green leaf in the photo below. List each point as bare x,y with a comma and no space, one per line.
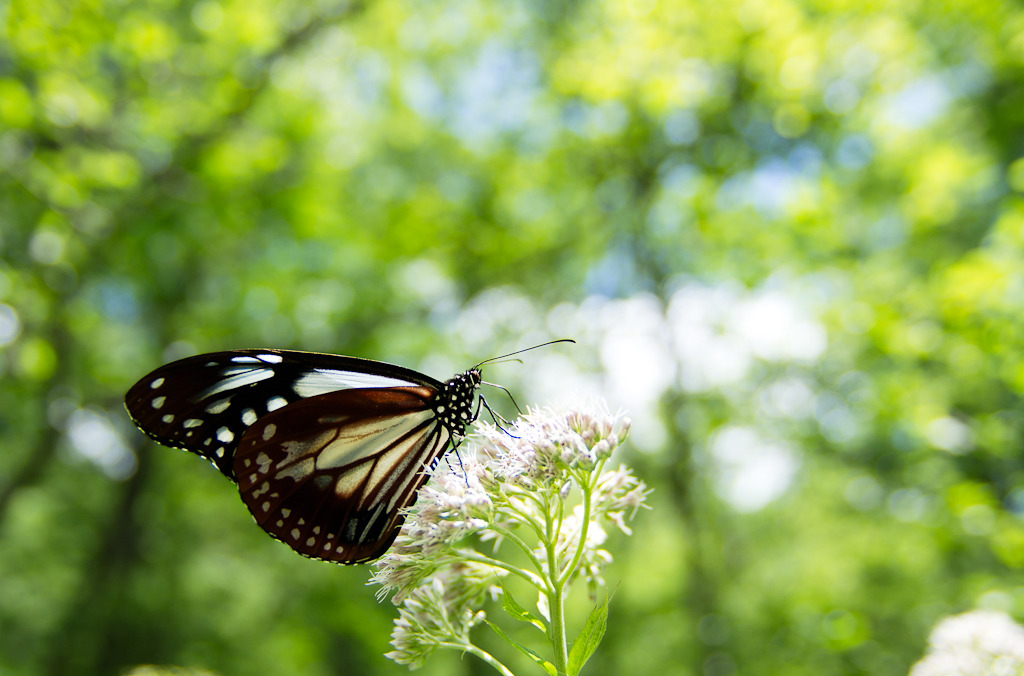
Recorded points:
548,666
512,607
590,637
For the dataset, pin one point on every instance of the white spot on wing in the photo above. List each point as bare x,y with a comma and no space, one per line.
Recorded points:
295,533
157,383
225,435
275,403
269,431
263,460
158,402
168,418
245,360
219,406
192,422
271,358
248,416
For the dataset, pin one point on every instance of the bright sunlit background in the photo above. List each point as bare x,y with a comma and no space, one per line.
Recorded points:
787,236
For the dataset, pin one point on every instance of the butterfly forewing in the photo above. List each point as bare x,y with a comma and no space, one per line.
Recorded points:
204,404
330,475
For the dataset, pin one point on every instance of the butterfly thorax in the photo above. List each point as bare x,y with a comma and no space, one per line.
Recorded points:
454,403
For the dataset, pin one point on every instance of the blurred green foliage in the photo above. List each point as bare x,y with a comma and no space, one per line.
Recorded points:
425,181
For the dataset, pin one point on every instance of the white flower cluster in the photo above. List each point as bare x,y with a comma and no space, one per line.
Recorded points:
540,486
976,643
542,444
439,614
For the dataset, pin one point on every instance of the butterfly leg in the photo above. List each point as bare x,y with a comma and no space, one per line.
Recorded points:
494,416
455,449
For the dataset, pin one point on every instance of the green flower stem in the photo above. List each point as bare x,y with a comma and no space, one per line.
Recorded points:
536,581
587,490
482,654
556,609
556,628
526,517
521,544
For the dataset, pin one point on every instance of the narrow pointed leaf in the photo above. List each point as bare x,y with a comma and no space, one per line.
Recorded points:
512,607
548,667
589,639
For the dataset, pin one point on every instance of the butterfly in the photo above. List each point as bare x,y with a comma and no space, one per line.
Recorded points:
327,451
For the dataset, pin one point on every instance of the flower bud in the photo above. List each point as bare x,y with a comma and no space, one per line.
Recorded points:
624,428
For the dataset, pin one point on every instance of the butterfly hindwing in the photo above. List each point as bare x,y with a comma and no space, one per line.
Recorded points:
329,475
204,404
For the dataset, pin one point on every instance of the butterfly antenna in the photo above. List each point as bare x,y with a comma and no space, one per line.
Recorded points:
503,360
525,349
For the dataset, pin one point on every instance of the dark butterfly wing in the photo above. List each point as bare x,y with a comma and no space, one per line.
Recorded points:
204,404
329,475
326,450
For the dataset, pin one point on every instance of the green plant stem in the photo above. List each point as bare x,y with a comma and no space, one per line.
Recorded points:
538,582
482,654
524,515
564,576
557,630
520,543
556,609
